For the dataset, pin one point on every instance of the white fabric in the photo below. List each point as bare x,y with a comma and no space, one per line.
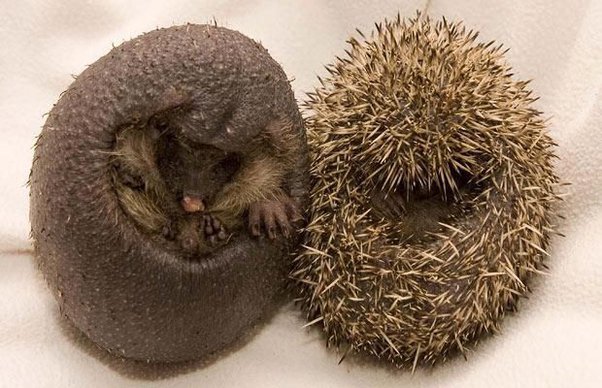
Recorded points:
556,338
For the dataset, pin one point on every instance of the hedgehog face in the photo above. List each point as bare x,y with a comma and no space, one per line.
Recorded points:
195,173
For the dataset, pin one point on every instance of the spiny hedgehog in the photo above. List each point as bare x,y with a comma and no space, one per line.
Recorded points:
133,291
432,189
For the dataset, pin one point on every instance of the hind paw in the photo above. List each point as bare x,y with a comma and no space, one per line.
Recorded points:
213,229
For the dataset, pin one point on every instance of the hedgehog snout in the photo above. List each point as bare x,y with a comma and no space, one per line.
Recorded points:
192,203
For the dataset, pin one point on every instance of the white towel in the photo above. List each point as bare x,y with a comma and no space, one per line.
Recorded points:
554,340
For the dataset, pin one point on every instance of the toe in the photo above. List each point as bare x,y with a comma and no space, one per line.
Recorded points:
208,226
254,220
292,210
215,222
271,232
212,239
269,223
282,221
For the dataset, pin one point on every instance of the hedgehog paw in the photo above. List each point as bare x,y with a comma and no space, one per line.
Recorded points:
273,215
213,229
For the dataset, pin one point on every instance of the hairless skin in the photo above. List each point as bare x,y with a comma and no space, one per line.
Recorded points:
228,146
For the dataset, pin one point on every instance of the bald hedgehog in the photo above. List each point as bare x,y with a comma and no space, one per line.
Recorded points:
157,181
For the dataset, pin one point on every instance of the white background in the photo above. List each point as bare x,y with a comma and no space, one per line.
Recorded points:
556,338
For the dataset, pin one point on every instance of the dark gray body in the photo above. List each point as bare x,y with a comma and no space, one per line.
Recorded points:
130,292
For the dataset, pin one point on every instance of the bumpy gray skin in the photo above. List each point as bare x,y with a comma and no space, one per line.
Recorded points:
129,292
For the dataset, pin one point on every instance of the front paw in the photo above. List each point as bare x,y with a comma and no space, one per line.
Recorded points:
213,229
273,216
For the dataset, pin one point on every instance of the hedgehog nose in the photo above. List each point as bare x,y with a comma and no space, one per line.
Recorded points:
192,203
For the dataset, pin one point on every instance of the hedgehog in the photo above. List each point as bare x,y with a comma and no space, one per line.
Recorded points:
432,193
179,136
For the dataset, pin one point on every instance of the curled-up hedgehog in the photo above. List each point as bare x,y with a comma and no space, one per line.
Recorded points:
155,179
432,190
